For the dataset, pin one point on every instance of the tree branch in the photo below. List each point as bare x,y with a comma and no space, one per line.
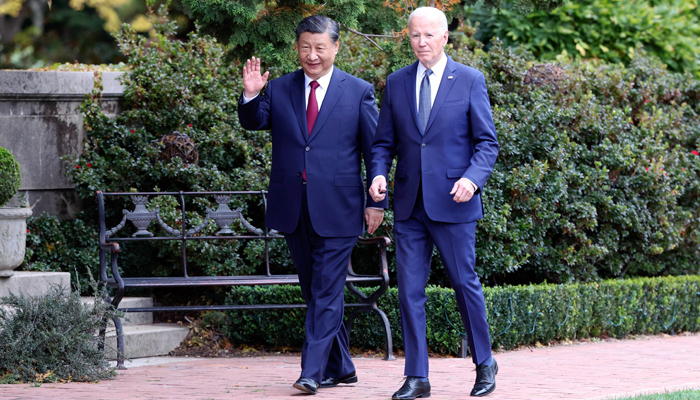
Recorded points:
369,36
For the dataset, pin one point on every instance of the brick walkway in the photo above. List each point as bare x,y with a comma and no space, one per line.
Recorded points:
580,371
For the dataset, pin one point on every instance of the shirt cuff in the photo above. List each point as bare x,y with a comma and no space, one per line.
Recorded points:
376,178
248,100
376,208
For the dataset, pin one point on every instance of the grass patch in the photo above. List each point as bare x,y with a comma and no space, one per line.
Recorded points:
687,394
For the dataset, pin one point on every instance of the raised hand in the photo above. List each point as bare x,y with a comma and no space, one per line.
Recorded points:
253,81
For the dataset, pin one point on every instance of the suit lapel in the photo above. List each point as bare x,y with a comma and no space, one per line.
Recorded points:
443,90
299,102
333,93
411,91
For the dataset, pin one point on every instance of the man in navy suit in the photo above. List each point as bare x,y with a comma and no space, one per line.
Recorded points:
436,118
322,122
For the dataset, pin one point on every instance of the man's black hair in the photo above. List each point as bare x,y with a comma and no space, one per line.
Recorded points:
319,24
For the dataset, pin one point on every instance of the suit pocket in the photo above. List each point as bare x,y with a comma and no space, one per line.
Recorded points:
456,172
400,173
347,180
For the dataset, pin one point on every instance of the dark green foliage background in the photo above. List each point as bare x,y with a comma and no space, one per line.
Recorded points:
610,30
68,246
518,315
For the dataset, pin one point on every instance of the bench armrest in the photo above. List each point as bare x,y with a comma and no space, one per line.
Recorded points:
111,247
383,241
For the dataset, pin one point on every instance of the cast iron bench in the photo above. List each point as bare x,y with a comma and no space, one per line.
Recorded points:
224,217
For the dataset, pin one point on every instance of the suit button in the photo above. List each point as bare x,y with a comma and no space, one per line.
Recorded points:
298,173
308,148
422,145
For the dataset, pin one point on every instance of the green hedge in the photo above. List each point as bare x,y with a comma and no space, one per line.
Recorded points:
610,30
518,315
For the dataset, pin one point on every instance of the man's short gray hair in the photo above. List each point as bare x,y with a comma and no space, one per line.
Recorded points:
430,12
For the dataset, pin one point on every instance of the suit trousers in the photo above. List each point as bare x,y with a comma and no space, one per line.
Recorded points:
415,238
322,266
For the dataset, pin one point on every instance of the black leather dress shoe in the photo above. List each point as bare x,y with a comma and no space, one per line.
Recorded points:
330,382
306,385
485,379
412,388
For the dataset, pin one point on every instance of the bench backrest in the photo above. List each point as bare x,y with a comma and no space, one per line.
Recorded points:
142,218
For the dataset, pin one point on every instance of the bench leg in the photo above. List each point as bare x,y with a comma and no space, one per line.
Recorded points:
120,343
103,327
463,348
387,332
350,323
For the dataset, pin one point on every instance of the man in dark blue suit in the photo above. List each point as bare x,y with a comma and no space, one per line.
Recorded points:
322,122
436,118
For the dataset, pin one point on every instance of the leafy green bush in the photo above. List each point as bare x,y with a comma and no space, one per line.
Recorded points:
70,246
518,315
52,338
9,176
597,175
606,29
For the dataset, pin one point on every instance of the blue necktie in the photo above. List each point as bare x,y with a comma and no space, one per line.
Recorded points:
424,102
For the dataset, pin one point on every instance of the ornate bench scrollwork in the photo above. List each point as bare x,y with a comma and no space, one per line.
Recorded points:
225,219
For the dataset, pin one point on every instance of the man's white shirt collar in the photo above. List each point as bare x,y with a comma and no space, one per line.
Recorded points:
323,84
438,68
323,81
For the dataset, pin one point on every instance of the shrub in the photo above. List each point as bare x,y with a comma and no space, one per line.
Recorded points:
9,176
518,315
605,29
52,338
70,246
597,175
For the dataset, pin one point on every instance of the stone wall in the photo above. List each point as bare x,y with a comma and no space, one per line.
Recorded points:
40,121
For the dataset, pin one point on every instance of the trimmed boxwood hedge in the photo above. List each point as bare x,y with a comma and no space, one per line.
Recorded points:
518,315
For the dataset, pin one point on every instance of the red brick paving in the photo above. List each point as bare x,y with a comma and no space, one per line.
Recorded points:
579,371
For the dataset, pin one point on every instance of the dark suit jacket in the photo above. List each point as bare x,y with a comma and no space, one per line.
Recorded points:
459,142
331,154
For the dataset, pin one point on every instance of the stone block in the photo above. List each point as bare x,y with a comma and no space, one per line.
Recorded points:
142,318
146,340
40,122
34,284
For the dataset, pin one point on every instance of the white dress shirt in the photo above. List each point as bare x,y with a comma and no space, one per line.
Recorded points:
435,78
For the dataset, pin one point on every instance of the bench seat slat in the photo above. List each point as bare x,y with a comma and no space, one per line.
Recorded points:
249,280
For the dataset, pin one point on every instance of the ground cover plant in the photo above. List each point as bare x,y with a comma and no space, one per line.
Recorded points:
688,394
52,338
